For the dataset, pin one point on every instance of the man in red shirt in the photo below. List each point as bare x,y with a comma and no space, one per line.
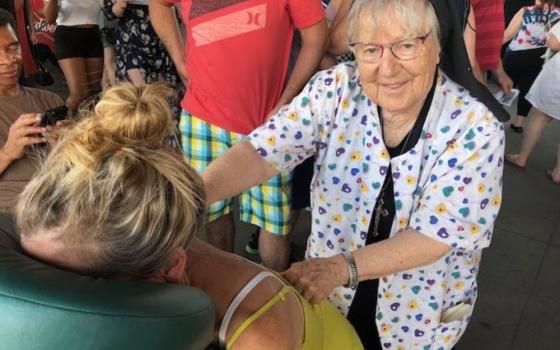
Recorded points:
234,66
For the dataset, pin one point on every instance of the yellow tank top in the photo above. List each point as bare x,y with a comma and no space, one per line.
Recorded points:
325,327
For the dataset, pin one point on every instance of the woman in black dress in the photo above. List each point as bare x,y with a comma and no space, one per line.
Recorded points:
141,56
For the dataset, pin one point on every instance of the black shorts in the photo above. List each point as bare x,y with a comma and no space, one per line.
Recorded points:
78,42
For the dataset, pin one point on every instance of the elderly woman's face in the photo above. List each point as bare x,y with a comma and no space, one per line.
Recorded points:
398,86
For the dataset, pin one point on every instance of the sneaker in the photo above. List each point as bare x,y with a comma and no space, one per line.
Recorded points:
252,246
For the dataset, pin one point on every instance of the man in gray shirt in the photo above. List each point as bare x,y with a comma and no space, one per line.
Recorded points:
19,120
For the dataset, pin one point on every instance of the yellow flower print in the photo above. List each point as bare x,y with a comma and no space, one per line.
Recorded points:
413,305
402,222
400,347
459,285
435,187
324,133
473,157
356,155
497,200
475,229
440,209
364,220
337,296
363,188
452,145
385,328
384,154
388,295
321,198
458,102
271,141
293,116
341,137
447,338
337,78
410,180
470,116
337,218
344,104
481,188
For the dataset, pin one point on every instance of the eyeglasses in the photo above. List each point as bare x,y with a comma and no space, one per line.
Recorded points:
403,50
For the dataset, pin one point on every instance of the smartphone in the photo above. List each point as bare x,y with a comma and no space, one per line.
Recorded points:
54,115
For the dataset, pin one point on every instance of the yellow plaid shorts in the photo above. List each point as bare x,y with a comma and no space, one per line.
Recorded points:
266,205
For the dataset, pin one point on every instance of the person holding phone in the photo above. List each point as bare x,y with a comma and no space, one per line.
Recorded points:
20,117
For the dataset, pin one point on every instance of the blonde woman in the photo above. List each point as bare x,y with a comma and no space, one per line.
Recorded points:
112,200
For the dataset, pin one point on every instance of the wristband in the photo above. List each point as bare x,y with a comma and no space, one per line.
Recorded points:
352,270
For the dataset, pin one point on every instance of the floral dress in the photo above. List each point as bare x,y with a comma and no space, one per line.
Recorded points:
137,46
447,187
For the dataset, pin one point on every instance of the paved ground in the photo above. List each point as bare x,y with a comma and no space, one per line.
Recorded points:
519,300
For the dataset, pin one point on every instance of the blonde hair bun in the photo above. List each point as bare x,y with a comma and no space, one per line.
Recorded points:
131,115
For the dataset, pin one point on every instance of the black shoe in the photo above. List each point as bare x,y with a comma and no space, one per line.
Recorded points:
252,246
517,129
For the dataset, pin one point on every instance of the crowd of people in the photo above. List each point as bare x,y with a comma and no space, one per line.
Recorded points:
376,114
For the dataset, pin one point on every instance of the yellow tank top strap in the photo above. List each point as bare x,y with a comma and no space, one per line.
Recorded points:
279,296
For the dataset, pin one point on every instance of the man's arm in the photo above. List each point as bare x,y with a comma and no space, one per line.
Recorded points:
165,24
338,31
503,79
314,40
469,36
239,169
51,10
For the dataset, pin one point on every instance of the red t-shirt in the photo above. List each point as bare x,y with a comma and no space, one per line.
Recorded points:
489,16
237,54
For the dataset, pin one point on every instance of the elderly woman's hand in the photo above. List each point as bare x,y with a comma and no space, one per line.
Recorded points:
316,278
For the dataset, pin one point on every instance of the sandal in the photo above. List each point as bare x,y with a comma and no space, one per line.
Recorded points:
517,129
510,158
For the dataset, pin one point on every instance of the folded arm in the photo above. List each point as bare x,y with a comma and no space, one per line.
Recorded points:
163,19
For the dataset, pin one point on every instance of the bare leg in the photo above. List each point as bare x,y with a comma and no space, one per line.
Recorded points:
533,134
519,121
136,78
75,72
109,67
94,67
555,173
221,232
274,250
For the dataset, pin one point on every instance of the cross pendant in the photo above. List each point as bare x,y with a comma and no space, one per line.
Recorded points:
379,211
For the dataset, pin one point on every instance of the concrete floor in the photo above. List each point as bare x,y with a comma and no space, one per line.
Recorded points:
518,305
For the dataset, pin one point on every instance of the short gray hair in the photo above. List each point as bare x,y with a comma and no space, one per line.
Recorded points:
418,17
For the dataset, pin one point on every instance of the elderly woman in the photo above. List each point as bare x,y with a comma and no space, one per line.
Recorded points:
407,183
112,200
